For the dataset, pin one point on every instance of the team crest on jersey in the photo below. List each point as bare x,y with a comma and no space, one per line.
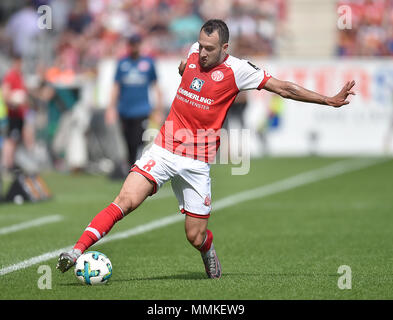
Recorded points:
207,201
197,84
217,75
143,66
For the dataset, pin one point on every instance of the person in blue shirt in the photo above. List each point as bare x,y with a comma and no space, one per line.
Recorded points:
135,76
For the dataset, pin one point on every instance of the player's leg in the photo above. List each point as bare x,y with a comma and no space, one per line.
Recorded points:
193,192
196,231
10,144
135,190
202,239
9,147
133,131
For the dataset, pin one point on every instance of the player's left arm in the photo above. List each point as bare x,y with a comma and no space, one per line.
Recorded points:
290,90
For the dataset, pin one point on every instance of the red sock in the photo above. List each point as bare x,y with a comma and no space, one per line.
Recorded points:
99,226
207,242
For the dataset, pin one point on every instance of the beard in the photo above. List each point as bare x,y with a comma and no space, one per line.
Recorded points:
210,62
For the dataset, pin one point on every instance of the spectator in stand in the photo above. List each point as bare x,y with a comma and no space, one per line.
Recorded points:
79,18
22,28
371,33
185,25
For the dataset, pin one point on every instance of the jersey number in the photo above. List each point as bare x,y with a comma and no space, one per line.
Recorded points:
149,165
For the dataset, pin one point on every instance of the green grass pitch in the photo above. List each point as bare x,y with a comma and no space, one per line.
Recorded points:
285,245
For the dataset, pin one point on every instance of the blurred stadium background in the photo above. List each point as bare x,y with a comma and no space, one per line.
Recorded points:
296,40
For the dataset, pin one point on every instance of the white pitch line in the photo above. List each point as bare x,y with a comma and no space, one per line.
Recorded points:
301,179
30,224
68,198
298,180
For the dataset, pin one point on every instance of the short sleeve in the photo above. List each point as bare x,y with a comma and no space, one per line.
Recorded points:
194,48
249,76
118,72
153,73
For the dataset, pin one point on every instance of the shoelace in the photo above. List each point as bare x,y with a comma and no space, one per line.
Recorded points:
211,260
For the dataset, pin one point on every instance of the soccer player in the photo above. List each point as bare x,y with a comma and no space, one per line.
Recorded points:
189,138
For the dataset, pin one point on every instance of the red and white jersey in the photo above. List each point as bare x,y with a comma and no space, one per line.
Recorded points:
203,98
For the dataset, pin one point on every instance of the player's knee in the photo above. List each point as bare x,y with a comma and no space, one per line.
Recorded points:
195,236
125,202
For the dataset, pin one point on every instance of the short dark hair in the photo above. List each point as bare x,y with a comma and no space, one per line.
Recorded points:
215,24
135,39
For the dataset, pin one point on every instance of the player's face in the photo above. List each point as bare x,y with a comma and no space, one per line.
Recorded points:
18,64
211,51
134,49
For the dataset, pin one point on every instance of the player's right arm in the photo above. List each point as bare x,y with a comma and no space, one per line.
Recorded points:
111,112
290,90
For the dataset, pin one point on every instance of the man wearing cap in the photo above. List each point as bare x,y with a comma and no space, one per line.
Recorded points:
135,75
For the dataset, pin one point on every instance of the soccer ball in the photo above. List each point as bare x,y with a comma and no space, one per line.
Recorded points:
93,268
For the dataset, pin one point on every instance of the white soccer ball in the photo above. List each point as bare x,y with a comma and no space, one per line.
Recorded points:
93,268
